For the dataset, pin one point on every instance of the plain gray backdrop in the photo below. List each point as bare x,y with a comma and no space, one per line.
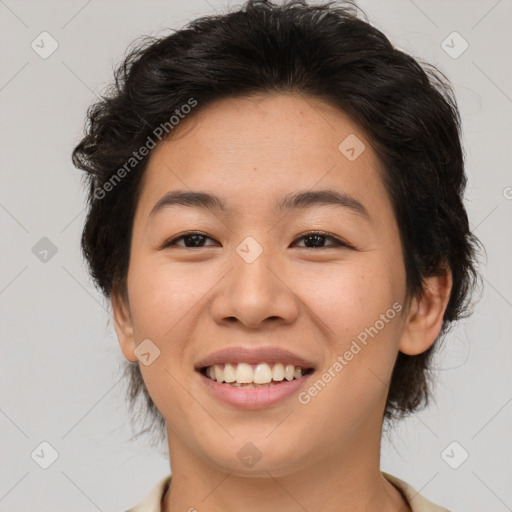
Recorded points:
60,362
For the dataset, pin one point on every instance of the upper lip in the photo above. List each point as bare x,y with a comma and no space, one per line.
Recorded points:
253,356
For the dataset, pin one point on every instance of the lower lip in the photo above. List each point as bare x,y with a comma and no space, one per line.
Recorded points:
254,398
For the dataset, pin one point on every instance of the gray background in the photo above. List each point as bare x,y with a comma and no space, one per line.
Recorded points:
60,378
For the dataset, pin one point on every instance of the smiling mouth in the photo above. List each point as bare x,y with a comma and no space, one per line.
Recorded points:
262,375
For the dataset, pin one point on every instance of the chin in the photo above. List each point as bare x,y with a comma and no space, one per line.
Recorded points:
255,456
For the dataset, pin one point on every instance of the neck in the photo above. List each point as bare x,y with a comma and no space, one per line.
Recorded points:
341,481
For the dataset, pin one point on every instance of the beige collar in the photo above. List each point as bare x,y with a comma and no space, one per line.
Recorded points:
153,501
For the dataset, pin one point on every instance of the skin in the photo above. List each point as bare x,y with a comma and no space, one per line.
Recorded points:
314,301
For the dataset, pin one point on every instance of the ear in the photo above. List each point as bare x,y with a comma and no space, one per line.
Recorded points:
425,318
123,325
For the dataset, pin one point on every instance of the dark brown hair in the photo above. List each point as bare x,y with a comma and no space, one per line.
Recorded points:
407,110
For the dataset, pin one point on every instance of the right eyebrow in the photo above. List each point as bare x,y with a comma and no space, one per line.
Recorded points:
190,199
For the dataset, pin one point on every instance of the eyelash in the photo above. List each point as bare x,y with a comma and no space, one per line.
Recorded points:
327,236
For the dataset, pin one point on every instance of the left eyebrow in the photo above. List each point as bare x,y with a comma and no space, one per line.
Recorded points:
308,198
295,201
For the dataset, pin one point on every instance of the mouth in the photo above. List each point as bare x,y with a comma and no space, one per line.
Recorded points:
260,375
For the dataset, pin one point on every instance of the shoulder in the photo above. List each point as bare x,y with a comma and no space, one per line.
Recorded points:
152,501
417,502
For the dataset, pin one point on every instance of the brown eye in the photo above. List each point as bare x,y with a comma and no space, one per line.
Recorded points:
313,240
316,239
191,240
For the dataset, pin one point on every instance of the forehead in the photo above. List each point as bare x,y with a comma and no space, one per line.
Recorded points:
295,125
258,149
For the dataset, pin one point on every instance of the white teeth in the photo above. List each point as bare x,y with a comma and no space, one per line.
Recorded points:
262,374
246,375
229,373
289,372
219,373
278,372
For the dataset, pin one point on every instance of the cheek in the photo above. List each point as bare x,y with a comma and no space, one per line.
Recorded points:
162,296
359,311
348,299
361,327
163,299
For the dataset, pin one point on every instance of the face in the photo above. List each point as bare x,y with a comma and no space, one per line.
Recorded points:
252,283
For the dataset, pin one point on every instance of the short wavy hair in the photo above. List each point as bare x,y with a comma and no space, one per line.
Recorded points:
408,112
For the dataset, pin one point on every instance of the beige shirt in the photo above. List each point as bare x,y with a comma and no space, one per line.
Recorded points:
153,501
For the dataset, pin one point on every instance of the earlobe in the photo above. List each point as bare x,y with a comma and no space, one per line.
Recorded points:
425,318
123,326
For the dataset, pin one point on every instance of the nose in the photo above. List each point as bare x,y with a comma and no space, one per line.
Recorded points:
256,294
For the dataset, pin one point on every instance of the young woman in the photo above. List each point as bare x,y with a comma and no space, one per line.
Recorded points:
276,213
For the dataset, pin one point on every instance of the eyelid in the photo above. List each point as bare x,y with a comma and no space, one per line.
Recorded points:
174,239
338,242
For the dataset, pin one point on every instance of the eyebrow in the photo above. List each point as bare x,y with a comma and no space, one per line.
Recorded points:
294,201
